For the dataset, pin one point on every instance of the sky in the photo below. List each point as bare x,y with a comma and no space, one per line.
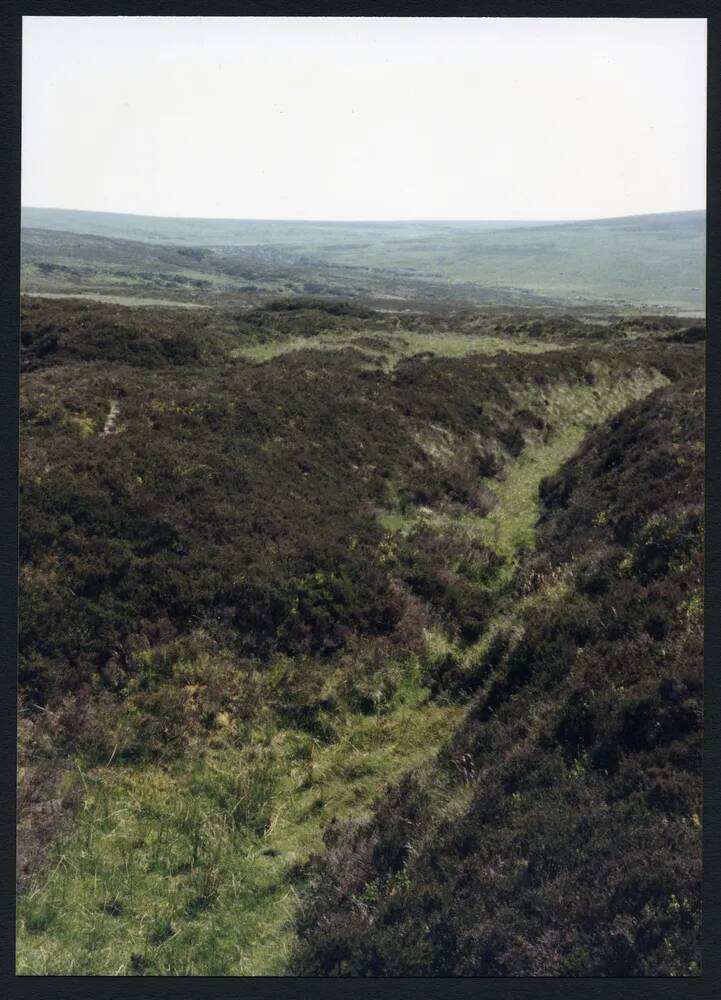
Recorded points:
365,118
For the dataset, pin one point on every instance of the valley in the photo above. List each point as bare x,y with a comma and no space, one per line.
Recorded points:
649,263
361,628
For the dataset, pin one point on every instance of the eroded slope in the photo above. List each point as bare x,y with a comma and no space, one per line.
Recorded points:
558,831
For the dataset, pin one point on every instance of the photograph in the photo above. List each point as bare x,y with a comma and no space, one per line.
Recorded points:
361,497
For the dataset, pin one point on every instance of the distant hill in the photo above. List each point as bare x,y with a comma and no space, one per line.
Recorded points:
651,260
633,262
244,232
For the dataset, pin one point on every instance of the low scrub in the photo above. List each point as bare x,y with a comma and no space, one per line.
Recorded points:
558,832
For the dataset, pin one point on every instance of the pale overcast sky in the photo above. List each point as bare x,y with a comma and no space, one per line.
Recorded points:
365,118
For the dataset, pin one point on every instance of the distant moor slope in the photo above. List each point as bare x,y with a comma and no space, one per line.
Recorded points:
648,262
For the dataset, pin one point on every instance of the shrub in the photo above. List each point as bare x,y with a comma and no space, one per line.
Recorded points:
558,832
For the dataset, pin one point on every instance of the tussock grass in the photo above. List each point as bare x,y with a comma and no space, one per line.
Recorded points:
193,869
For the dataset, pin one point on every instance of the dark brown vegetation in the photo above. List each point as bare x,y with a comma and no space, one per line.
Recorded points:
237,493
216,548
558,831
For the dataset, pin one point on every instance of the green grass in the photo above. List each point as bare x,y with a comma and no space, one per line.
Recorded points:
510,527
403,345
192,870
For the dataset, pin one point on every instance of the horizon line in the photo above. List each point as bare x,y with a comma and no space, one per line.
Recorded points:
468,219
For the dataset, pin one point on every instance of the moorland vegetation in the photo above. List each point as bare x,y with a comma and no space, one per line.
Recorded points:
648,262
359,642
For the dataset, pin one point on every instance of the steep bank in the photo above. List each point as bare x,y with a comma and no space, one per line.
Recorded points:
558,831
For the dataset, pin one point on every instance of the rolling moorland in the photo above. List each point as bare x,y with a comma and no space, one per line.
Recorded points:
652,262
356,639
